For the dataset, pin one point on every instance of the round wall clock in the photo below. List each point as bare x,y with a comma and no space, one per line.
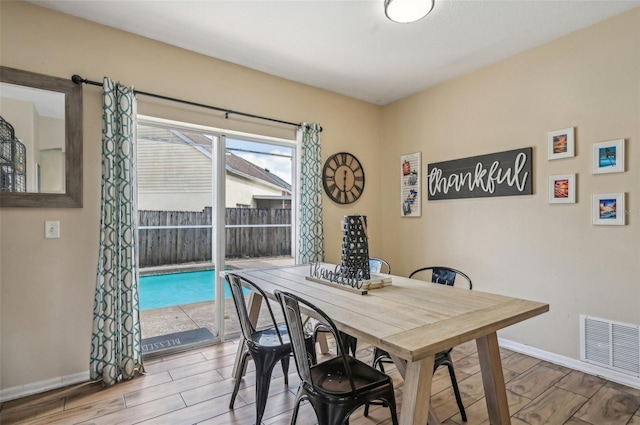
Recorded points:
343,178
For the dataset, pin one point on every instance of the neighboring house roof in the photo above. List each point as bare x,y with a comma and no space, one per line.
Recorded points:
234,163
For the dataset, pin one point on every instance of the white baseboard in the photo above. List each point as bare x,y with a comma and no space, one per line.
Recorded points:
571,363
42,386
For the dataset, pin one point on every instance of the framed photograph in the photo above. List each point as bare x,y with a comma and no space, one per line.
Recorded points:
562,189
608,209
608,157
560,144
410,185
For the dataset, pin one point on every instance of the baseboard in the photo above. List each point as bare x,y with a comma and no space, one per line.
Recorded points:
571,363
42,386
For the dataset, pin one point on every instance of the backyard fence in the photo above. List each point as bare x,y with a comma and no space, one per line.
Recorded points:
178,237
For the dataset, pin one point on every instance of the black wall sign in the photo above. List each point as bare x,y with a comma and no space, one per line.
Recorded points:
497,174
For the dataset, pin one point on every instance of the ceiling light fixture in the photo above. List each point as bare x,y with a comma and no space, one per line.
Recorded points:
406,11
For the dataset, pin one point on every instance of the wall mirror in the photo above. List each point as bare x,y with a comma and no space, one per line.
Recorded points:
40,140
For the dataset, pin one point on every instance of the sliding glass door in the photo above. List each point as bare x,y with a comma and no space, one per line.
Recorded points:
207,203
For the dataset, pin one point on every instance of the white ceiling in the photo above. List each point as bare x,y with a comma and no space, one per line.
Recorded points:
348,46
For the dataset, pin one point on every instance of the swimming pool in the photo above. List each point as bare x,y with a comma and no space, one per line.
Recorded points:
166,290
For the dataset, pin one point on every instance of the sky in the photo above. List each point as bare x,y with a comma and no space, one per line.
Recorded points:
277,159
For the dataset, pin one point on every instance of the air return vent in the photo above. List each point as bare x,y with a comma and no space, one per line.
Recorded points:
610,344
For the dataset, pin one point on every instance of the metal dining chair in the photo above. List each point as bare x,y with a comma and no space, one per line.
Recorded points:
266,347
378,265
444,276
336,387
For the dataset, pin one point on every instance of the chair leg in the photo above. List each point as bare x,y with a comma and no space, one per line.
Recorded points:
456,390
264,368
285,369
238,377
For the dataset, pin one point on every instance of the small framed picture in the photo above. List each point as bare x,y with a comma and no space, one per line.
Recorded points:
608,209
562,189
560,144
608,157
410,204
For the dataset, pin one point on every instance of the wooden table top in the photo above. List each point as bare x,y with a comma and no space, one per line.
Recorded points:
411,318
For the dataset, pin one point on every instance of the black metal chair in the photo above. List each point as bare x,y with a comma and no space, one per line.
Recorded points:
266,347
445,276
378,265
338,386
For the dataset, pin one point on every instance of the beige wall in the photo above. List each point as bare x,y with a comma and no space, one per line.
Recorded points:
46,285
518,246
521,245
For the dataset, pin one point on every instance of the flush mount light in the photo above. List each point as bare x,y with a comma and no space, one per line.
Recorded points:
406,11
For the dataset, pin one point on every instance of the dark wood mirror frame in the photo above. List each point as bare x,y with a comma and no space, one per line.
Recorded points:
72,198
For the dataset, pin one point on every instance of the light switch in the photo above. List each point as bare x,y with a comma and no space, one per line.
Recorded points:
52,229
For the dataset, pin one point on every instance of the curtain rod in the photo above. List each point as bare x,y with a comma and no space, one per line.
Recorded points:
79,80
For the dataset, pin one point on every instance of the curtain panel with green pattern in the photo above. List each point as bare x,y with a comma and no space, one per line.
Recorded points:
311,231
116,352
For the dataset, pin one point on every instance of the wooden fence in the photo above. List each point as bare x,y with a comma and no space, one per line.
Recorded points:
185,245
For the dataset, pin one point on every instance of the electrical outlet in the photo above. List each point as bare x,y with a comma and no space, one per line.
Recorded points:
52,229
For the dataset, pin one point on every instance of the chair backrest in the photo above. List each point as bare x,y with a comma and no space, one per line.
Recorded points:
378,265
236,283
291,307
443,275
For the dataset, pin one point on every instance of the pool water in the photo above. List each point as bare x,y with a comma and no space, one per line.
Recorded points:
166,290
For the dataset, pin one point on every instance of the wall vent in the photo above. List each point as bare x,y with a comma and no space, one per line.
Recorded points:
610,344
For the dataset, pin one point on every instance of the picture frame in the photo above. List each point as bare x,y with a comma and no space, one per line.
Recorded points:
560,144
562,189
410,192
608,157
608,209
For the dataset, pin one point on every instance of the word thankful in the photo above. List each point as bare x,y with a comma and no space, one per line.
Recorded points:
339,275
499,174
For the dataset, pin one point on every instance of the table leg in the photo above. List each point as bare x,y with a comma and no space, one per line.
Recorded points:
253,308
493,379
416,394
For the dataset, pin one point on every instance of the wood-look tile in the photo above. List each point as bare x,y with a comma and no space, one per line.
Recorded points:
33,412
183,388
222,349
469,365
83,413
609,406
202,366
306,415
575,421
174,387
198,412
477,413
131,415
581,383
95,392
554,406
633,391
635,419
535,381
277,405
163,365
445,405
519,362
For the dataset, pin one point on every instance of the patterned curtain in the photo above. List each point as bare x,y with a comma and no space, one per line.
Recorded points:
311,232
116,352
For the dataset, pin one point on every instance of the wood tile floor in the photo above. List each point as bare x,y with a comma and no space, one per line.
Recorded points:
194,387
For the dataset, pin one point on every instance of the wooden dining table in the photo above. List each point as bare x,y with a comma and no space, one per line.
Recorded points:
412,320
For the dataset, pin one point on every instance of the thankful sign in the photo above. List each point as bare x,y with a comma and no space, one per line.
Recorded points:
498,174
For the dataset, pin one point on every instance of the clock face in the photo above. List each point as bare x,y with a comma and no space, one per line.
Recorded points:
343,178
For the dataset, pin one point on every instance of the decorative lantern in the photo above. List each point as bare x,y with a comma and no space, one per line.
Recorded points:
355,246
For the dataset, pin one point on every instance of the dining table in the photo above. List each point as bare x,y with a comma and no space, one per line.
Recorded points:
412,320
